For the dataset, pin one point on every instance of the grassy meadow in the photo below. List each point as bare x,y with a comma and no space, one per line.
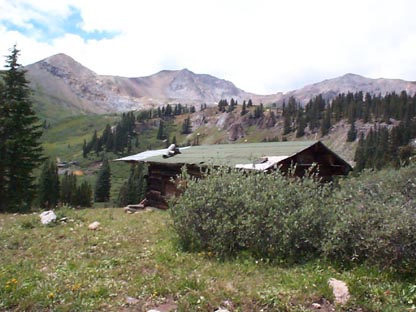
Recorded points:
132,263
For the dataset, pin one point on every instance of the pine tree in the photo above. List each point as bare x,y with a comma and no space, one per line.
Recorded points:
20,131
287,120
84,149
300,123
360,154
84,195
186,126
68,189
103,183
48,187
352,133
134,190
326,122
244,109
160,132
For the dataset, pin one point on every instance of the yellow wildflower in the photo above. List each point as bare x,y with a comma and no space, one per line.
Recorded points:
75,287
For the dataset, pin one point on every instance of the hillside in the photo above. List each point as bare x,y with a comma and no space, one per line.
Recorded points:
63,87
351,83
61,81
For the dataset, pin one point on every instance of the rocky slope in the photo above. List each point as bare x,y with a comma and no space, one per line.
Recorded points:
61,85
351,83
70,84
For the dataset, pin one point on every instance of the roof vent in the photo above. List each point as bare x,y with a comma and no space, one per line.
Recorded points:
171,151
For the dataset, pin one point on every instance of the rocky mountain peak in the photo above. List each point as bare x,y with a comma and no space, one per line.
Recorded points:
62,80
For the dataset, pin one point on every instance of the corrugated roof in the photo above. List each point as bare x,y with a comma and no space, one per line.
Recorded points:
224,154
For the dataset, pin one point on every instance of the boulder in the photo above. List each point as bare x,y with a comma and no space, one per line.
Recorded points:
340,290
47,217
94,226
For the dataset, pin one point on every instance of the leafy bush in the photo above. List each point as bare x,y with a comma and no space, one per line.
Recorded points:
266,214
370,218
375,220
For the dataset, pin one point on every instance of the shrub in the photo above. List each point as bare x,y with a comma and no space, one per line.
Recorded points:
375,220
366,219
266,214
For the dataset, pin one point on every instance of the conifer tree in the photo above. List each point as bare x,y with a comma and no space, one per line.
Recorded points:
244,109
300,123
103,183
352,133
84,195
48,187
360,154
186,126
160,132
68,189
134,190
287,120
20,131
326,122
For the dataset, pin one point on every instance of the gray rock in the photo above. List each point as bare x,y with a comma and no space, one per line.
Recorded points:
47,217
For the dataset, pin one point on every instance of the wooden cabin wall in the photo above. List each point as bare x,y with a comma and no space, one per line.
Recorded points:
162,181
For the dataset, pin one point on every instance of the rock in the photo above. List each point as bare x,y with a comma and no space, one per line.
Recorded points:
131,300
47,217
316,305
340,290
94,226
221,310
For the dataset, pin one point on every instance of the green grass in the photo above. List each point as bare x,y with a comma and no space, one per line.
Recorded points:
65,138
67,267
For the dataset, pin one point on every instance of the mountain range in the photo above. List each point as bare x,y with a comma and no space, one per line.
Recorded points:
63,86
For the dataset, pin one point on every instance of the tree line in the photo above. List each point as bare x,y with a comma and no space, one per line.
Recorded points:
387,143
115,139
383,147
53,191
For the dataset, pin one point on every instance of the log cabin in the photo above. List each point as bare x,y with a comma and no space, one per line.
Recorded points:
165,165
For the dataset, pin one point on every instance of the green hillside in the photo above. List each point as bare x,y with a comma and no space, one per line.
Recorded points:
52,110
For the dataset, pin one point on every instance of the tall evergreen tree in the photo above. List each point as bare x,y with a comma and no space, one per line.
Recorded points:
20,131
134,190
300,123
244,109
103,183
160,132
84,195
352,133
186,126
68,189
48,187
326,122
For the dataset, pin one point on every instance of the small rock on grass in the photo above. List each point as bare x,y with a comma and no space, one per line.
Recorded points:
340,290
131,300
47,217
94,226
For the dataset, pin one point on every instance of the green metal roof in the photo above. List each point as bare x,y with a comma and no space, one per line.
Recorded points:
226,154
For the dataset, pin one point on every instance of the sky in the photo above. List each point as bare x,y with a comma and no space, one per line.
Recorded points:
262,46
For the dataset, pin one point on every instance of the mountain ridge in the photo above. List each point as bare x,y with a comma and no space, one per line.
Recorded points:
62,81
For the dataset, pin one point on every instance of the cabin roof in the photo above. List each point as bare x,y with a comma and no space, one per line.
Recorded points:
242,154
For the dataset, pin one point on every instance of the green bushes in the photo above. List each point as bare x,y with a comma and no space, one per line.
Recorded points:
366,219
268,215
375,220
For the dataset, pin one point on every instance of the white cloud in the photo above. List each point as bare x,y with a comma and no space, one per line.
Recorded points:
262,46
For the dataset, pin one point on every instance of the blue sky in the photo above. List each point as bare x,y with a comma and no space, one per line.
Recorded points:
40,29
262,46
